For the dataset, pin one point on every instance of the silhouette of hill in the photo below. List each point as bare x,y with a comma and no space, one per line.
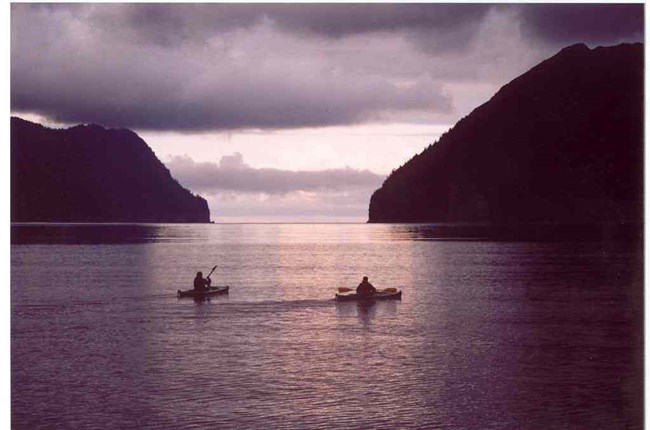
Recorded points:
91,174
562,143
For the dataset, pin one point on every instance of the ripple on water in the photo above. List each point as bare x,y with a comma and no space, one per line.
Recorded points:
487,335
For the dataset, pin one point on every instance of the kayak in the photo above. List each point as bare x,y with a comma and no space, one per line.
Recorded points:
379,295
212,291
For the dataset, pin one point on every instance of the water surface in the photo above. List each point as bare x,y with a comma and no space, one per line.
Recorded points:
489,334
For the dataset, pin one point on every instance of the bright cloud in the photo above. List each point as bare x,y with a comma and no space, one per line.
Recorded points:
235,190
232,174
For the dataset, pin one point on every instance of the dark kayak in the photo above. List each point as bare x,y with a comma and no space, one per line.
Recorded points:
212,291
379,295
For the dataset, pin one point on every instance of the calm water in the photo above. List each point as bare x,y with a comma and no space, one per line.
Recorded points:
488,334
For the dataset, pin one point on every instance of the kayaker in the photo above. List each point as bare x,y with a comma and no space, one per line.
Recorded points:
365,288
200,283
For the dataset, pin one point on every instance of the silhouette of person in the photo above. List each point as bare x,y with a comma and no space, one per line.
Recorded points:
201,284
365,288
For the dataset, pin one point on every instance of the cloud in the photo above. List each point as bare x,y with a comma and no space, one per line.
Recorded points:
444,26
561,24
70,71
237,192
174,24
233,175
202,67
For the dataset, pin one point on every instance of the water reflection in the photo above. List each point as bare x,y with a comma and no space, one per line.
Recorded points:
34,233
516,232
89,234
487,335
366,311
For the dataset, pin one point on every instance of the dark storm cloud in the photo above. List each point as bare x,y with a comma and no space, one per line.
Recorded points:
563,24
123,66
232,174
445,26
200,67
170,24
240,100
337,20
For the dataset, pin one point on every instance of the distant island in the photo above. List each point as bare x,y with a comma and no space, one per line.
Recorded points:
88,173
562,143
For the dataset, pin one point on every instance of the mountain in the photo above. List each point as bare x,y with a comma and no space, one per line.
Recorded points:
91,174
562,143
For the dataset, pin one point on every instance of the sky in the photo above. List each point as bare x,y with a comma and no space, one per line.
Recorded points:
286,112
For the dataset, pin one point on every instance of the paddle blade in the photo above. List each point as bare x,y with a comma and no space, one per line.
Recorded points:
345,290
389,290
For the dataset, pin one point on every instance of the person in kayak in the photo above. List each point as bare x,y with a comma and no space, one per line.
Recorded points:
201,284
365,288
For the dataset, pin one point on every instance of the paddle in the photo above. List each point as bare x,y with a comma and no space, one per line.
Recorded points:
208,277
215,266
385,290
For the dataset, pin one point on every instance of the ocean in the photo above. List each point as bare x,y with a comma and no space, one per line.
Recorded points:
489,334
